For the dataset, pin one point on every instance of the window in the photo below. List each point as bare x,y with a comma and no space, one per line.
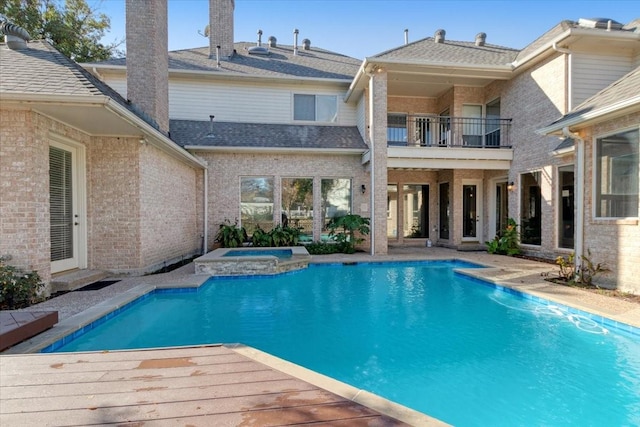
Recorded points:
397,129
297,206
492,126
472,125
256,203
616,174
531,208
416,210
336,198
315,108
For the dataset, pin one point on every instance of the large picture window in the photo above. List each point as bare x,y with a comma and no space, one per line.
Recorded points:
336,198
315,108
297,206
256,203
531,208
616,174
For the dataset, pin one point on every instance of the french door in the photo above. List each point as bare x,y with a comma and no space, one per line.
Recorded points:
65,207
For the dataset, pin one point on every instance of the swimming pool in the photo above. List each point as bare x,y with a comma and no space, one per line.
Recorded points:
417,333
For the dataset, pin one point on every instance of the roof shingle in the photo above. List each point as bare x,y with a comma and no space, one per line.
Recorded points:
260,135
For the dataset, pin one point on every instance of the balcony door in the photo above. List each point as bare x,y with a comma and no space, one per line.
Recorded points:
472,210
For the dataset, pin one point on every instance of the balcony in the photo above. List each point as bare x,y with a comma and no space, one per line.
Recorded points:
446,131
444,142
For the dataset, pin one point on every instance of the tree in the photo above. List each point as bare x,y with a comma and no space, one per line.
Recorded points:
72,27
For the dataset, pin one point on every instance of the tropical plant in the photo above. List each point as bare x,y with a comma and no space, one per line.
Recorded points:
507,240
322,248
585,272
230,235
566,267
261,238
350,225
18,288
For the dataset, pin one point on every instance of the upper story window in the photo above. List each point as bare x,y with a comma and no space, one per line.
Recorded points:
616,175
315,108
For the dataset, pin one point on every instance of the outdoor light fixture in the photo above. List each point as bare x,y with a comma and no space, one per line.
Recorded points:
511,186
363,188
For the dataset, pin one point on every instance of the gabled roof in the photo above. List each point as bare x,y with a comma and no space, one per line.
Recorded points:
52,84
280,62
618,98
450,52
195,134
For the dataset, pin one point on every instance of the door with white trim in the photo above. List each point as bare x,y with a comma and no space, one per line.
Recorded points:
67,252
472,224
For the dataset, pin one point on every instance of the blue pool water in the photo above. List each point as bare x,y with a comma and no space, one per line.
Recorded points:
279,253
416,333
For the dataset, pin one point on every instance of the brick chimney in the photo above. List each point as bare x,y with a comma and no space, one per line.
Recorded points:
221,27
148,59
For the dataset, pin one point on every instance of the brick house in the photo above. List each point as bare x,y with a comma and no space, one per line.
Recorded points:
435,140
88,180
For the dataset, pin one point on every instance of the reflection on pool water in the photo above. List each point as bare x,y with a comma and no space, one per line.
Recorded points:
417,333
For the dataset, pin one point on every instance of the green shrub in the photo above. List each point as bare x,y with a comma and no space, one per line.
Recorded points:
18,288
507,240
350,225
323,248
230,235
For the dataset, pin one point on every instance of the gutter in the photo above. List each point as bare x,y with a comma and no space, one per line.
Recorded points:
279,150
579,202
582,119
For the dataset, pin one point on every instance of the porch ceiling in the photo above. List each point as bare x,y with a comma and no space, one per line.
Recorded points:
436,158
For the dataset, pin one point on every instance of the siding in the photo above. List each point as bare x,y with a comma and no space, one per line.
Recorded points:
593,72
240,102
361,117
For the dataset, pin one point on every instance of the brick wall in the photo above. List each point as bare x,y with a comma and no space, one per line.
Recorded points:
225,170
168,209
615,242
24,193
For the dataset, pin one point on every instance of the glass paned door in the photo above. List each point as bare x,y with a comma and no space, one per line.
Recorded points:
444,210
566,210
471,211
62,209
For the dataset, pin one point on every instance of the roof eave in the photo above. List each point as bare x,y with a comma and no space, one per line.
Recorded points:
606,113
279,150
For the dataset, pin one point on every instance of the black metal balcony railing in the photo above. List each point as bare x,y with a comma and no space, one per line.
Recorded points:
446,131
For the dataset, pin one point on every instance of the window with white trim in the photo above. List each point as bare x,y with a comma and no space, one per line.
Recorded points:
616,175
315,108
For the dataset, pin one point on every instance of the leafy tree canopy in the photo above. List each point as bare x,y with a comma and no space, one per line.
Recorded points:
72,26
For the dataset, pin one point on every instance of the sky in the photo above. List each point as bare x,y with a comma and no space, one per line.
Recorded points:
361,28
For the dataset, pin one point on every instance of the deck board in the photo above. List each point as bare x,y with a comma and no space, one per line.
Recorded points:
17,326
189,386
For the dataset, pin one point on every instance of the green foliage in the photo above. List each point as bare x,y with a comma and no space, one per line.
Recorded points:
566,267
230,235
507,240
350,225
322,248
72,26
18,288
278,236
585,273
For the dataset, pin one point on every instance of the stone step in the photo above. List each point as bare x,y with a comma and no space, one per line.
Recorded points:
72,280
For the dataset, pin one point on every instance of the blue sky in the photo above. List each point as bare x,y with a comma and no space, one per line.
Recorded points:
361,28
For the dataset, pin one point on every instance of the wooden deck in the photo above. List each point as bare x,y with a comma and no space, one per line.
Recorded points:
196,386
17,326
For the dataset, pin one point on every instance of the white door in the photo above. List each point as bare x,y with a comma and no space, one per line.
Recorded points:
64,207
472,224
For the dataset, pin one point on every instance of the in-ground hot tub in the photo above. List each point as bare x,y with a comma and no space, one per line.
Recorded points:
248,261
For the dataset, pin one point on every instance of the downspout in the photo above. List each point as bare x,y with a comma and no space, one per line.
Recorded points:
372,184
568,73
579,243
205,231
